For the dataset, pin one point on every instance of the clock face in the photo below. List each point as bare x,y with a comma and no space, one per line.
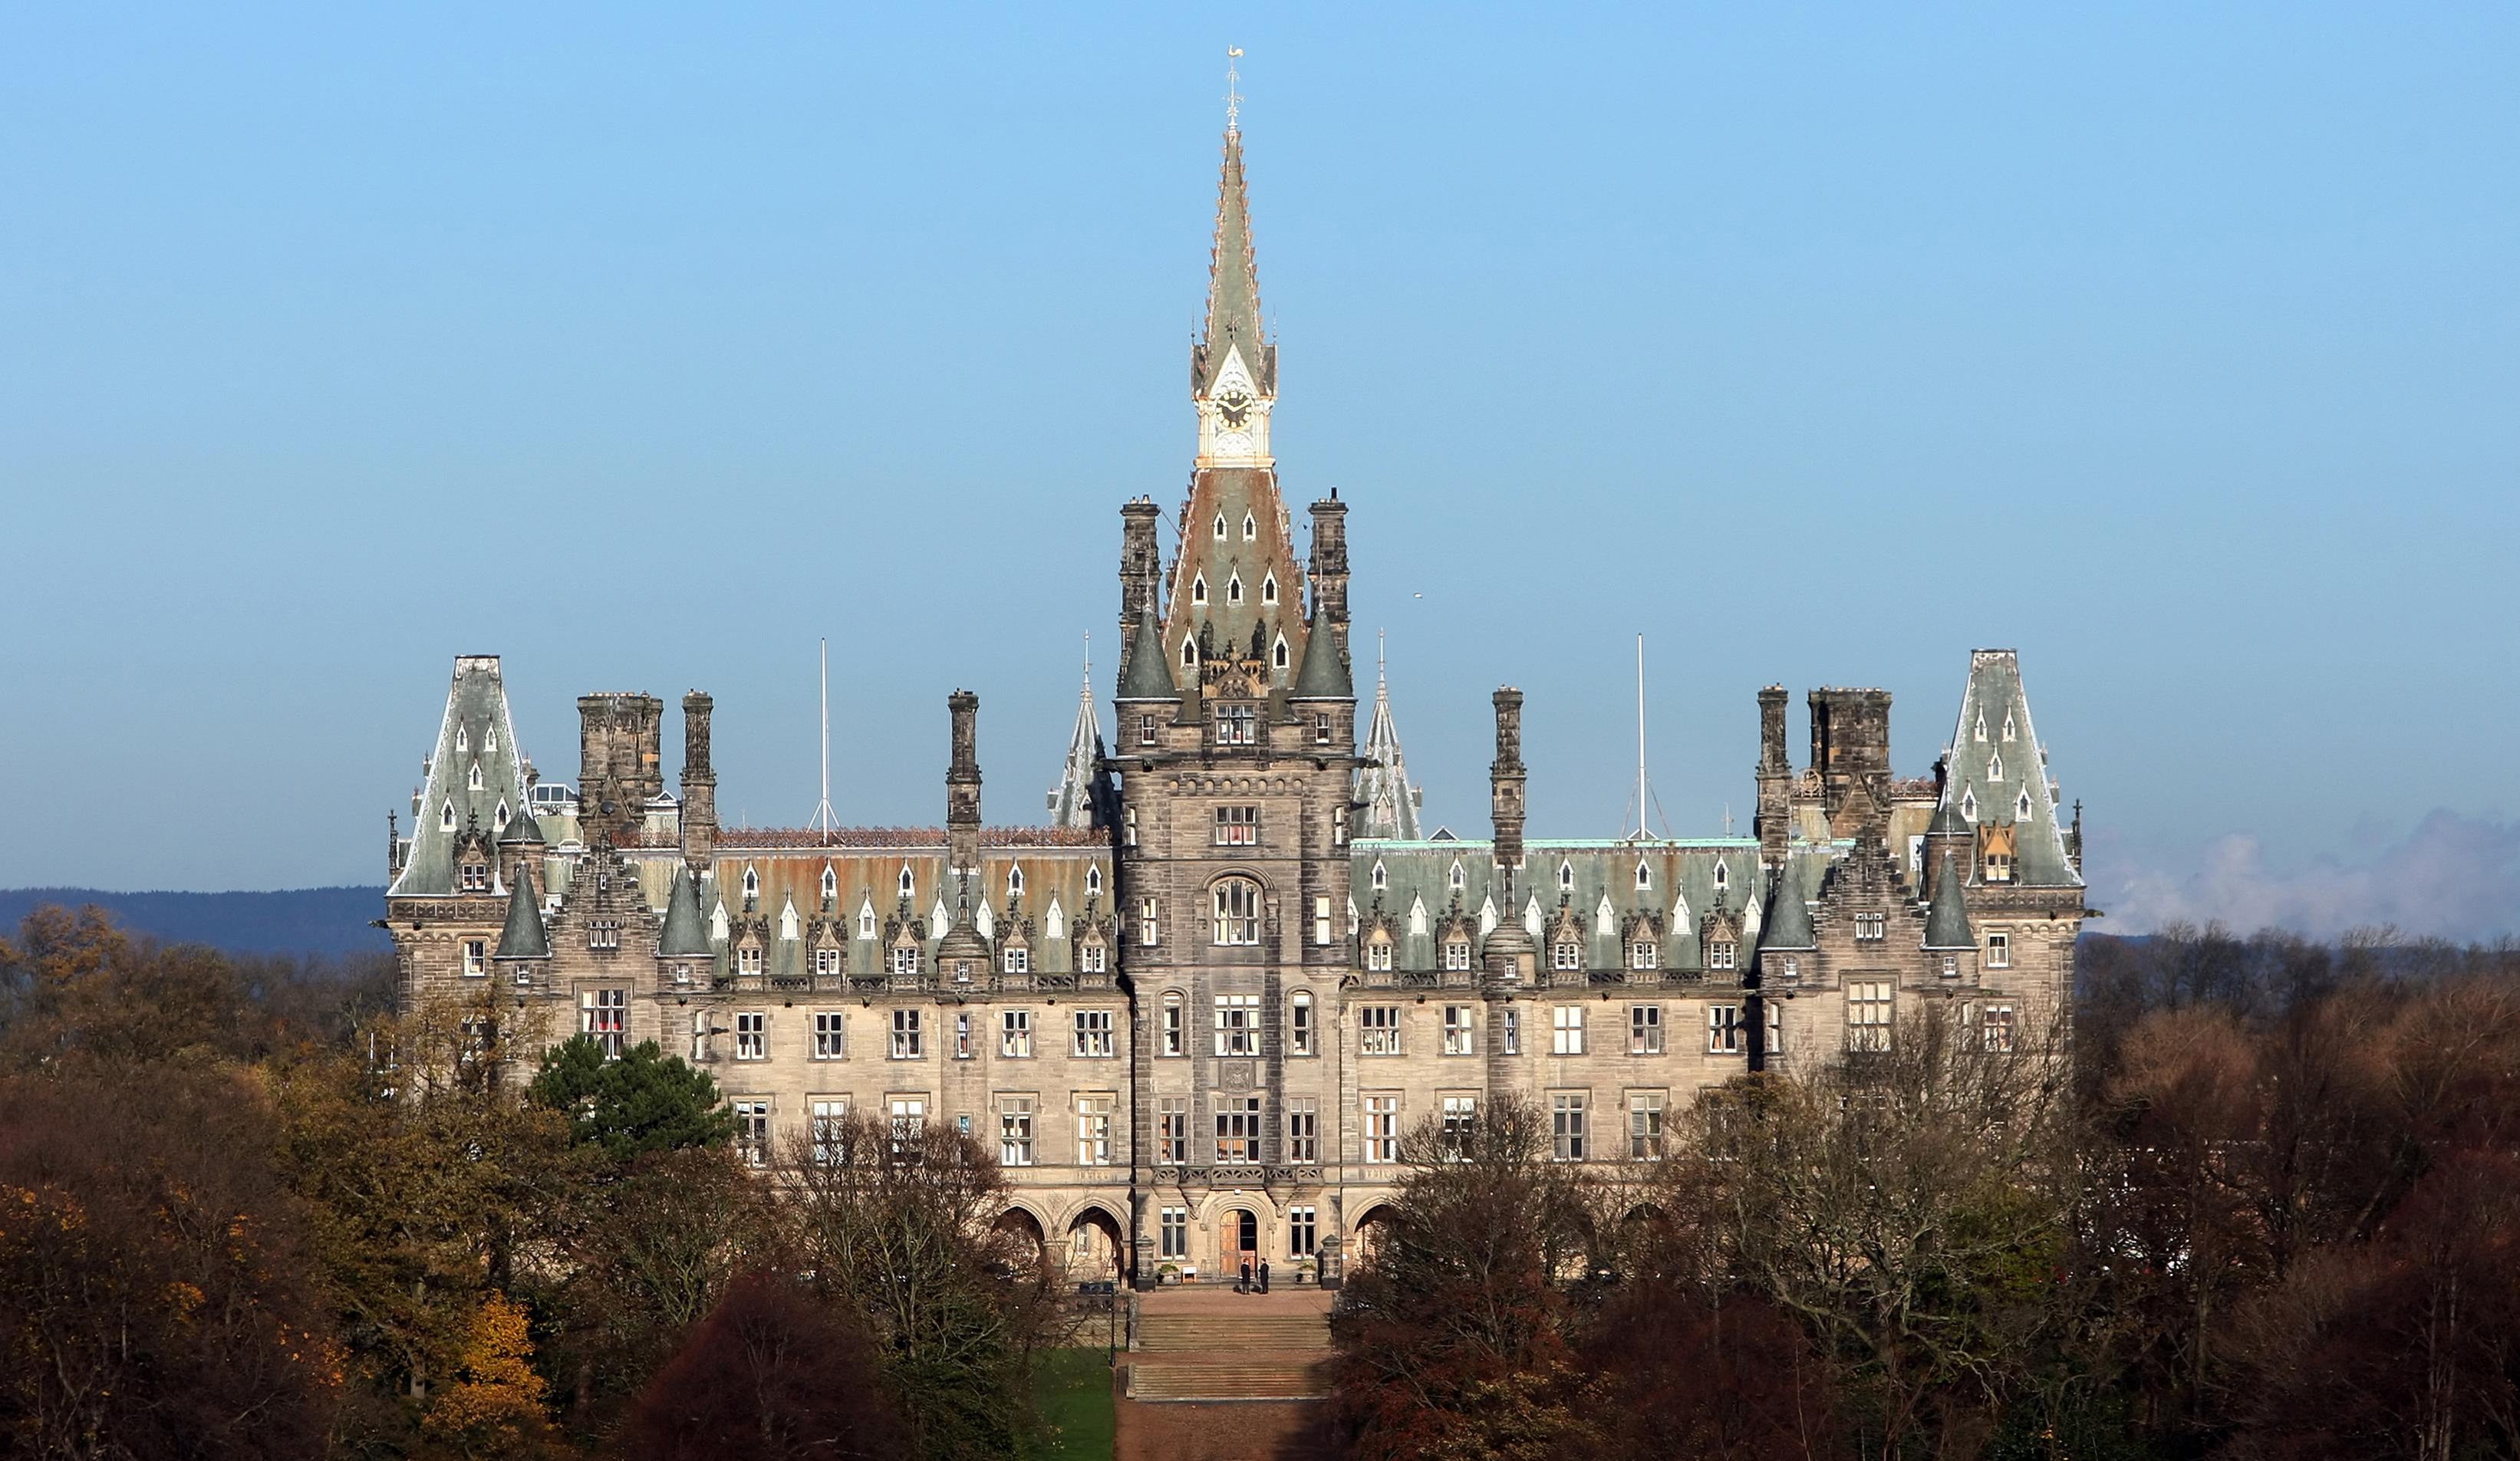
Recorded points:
1234,408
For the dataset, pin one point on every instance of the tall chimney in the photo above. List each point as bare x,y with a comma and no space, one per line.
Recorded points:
963,784
1330,568
1505,778
699,783
1775,775
1140,566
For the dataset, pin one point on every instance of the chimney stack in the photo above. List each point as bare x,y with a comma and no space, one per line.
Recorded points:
1506,780
963,784
1775,777
699,783
1330,569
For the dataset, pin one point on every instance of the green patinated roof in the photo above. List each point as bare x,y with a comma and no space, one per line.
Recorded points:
477,731
1148,676
1998,771
1788,923
1947,924
686,934
1324,676
1382,789
523,936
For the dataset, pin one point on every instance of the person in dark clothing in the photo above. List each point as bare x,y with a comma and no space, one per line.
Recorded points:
1242,1285
1264,1275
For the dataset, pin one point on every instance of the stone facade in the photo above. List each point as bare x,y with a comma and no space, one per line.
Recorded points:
1199,1010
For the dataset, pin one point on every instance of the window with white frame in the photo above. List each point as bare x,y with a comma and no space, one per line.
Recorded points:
905,1034
1238,826
747,960
909,1119
1146,731
1237,1024
1460,1032
1172,1130
752,1131
1378,1030
1457,954
1723,1029
1090,956
829,1030
1644,1029
1458,1121
1322,727
1237,903
1014,1033
1299,1024
1996,1029
1014,1131
827,962
476,957
1722,953
1567,1113
1015,959
961,1034
1645,1124
1999,951
1510,1033
472,877
1321,919
752,1035
1093,1130
905,959
1566,1030
1236,726
1378,953
605,1014
1644,954
1238,1131
1566,955
1172,1233
829,1116
1303,1128
1147,934
1869,927
1169,1039
1381,1128
1867,1015
1095,1038
1129,826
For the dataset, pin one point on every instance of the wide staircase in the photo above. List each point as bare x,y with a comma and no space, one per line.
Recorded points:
1230,1347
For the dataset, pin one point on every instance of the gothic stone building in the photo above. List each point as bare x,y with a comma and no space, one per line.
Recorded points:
1199,1009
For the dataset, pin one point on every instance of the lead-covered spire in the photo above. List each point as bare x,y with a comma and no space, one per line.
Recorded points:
1073,802
1232,295
1382,787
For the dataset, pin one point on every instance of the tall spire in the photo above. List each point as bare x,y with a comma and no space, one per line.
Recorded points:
1072,802
1382,787
1233,284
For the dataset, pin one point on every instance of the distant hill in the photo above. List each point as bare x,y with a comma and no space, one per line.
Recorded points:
302,920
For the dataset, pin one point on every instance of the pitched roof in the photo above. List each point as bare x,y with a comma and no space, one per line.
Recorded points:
687,934
1947,924
1382,787
523,936
475,732
1998,769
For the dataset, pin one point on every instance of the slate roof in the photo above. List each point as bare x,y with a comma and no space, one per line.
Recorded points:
523,937
1998,771
475,730
1382,787
1071,800
1947,924
1148,675
686,934
1233,286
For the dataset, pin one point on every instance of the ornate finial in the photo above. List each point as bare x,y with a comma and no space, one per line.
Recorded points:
1377,658
1232,94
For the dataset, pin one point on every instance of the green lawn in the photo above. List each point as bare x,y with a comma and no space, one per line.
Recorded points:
1073,1388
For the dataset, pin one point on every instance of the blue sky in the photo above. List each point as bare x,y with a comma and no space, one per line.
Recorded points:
2173,346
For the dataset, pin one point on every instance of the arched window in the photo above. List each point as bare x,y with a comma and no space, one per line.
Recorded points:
1094,880
907,885
1014,882
751,883
1237,901
831,885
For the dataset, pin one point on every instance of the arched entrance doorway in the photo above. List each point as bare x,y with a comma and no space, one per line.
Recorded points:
1369,1229
1238,1241
1021,1234
1094,1247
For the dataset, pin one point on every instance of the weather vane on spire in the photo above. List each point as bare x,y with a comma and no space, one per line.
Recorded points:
1232,93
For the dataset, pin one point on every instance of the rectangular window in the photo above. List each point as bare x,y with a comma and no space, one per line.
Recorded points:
1999,951
747,960
1644,1029
1093,1038
1722,954
1776,1045
1018,961
1014,1033
1237,1024
1868,926
1321,919
604,934
1378,1029
1145,729
1169,1042
1014,1131
1789,970
1146,933
1567,1125
1129,826
476,957
1322,726
752,1132
905,960
752,1037
1172,1240
1461,1119
1236,726
1998,868
962,1035
1377,955
830,1115
827,961
1643,953
1238,826
1303,1230
605,1014
1512,1034
1461,1032
905,1034
1172,1130
1094,1131
1383,1128
909,1118
1303,1130
1723,1029
1566,958
474,877
1566,1030
1089,958
1645,1124
1237,1129
1867,1015
1999,1029
1299,1024
1457,954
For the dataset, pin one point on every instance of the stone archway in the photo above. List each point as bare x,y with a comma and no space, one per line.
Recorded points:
1023,1232
1369,1230
1095,1246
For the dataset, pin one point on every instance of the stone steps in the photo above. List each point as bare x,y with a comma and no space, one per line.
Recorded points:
1232,1334
1255,1376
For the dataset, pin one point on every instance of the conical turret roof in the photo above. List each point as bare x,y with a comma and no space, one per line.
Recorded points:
1947,924
686,934
1787,924
1146,676
523,937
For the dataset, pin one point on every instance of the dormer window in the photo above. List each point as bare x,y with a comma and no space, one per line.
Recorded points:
865,920
490,741
1377,954
1722,954
1644,877
1220,527
1643,955
2007,725
1234,588
1014,882
1969,805
1198,587
1018,959
473,778
1190,654
463,743
1250,527
1995,767
472,877
1998,868
831,885
1094,880
907,887
1566,877
1723,874
1981,726
1381,880
1460,879
751,885
1456,954
1277,655
1269,589
499,815
446,817
1566,957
